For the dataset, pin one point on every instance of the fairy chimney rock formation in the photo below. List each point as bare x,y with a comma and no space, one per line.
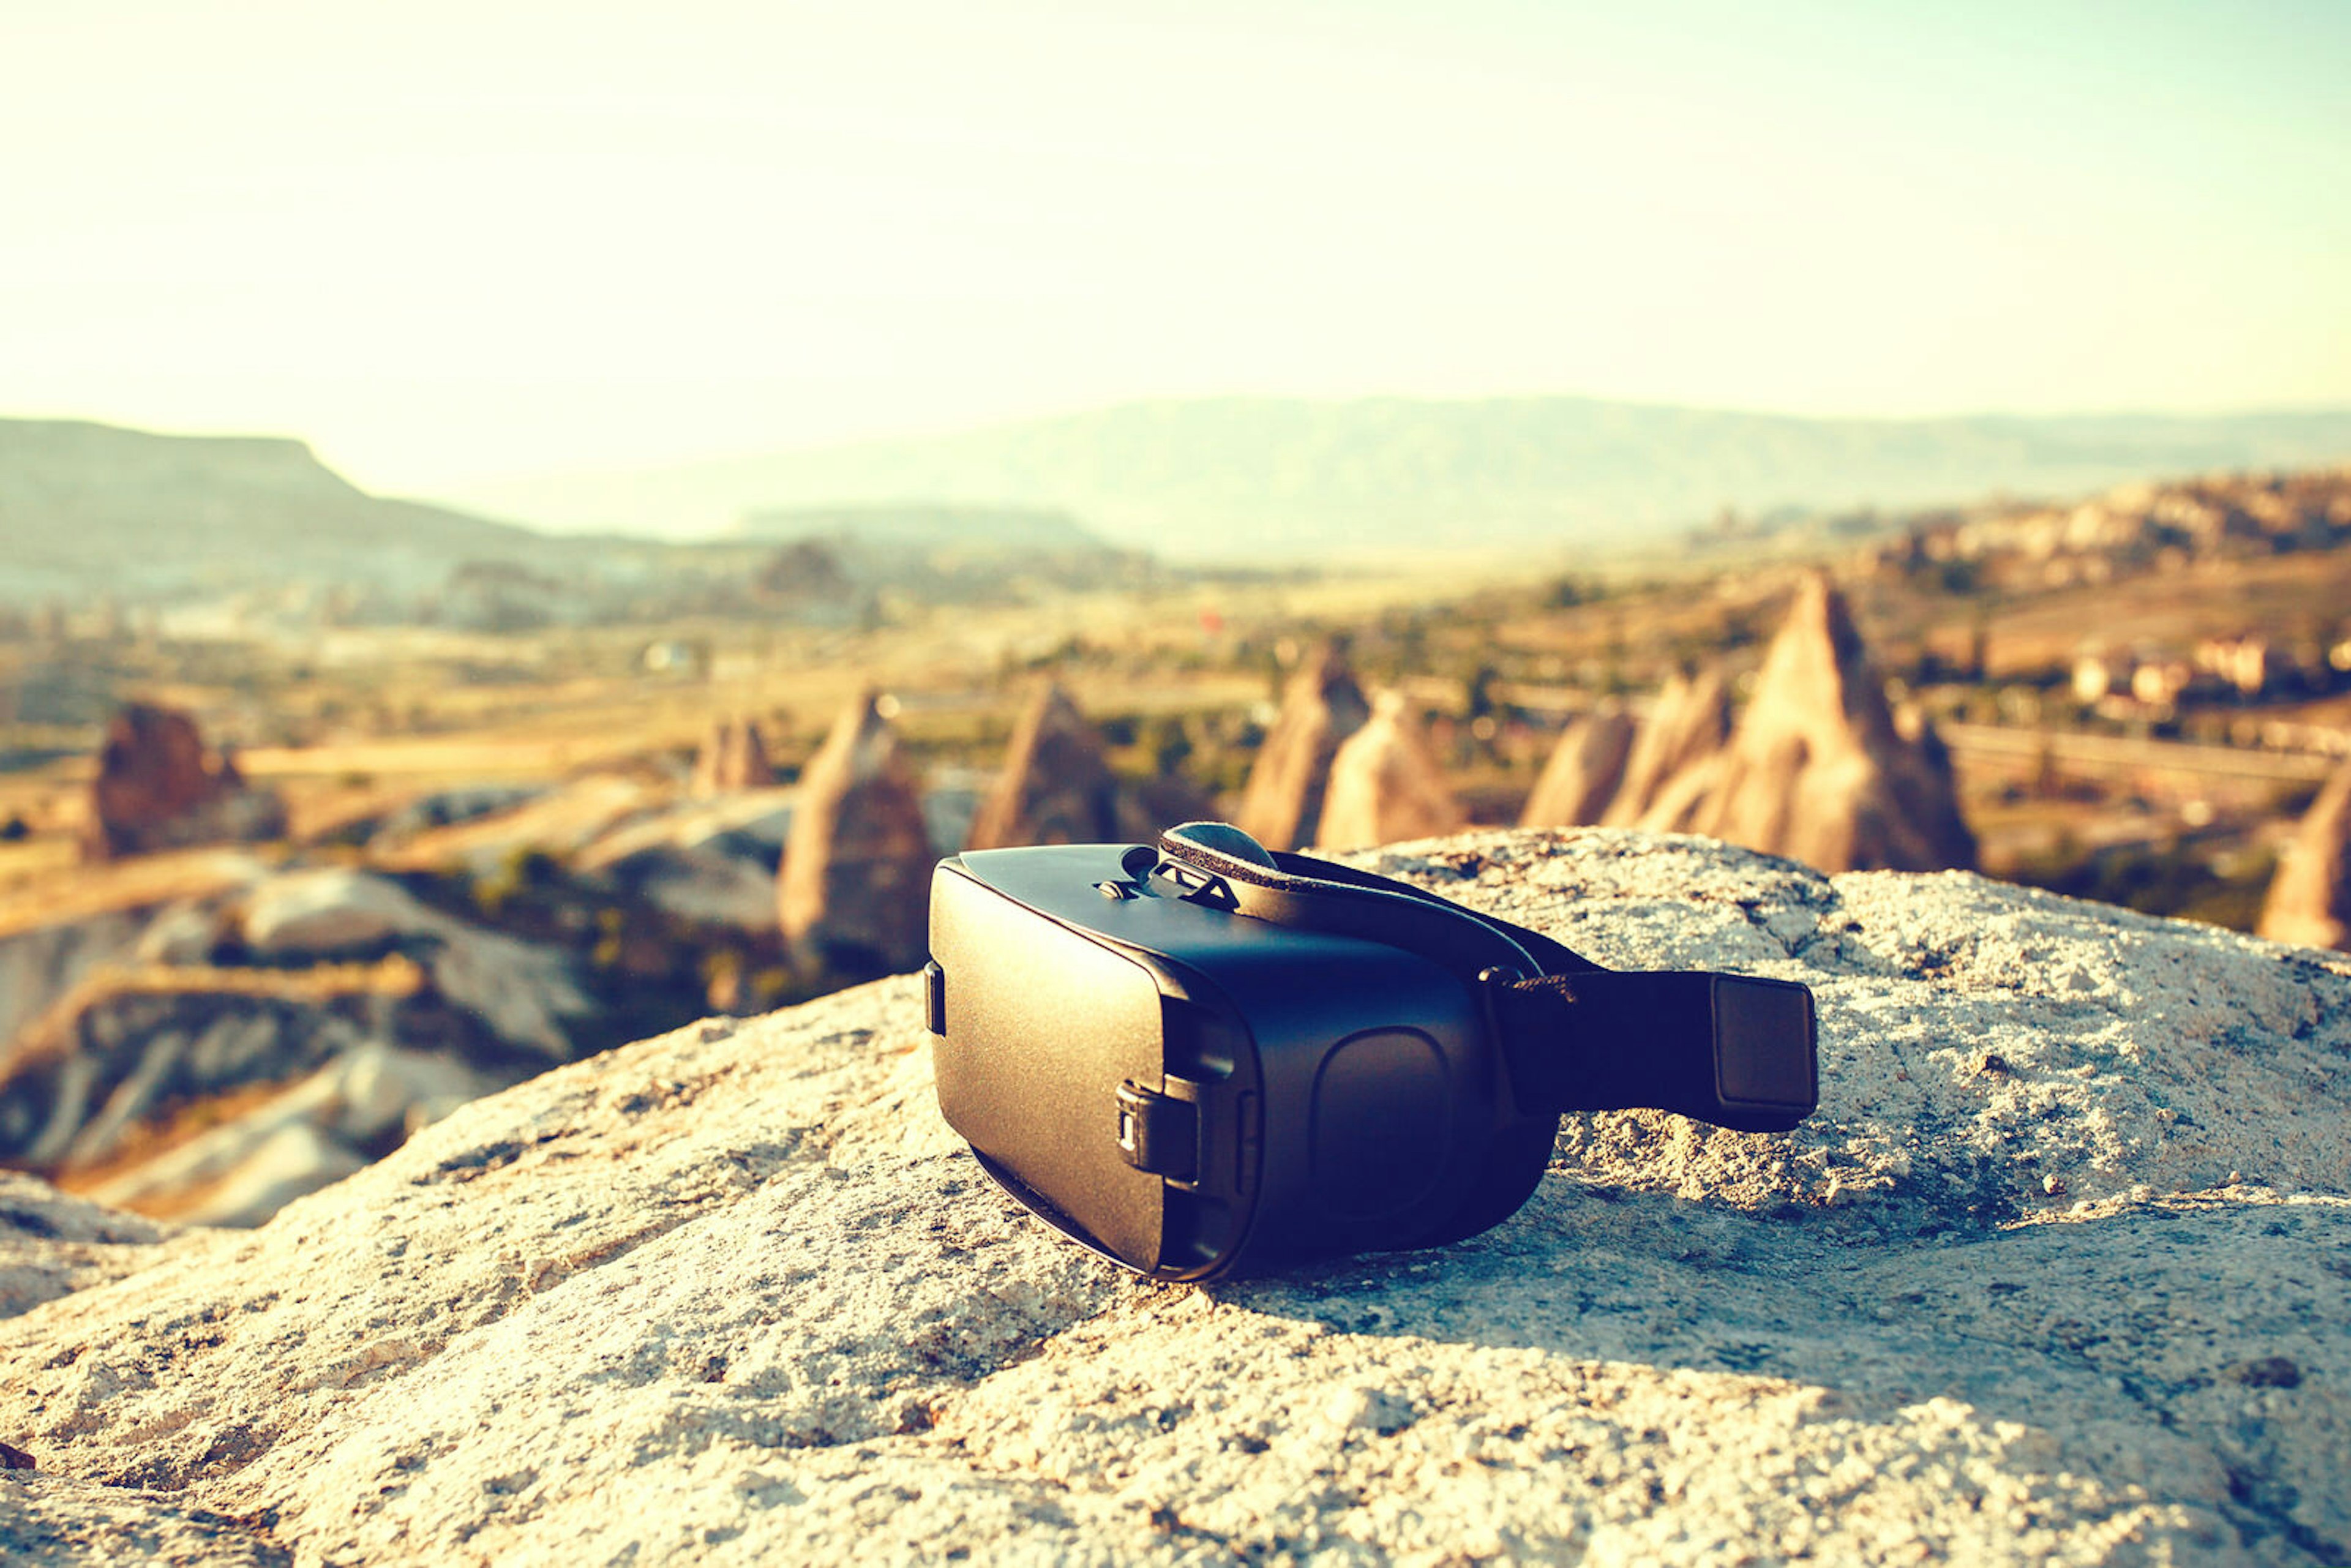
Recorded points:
734,757
1384,785
1057,788
1321,707
854,891
1689,723
2310,899
1818,771
158,788
1585,770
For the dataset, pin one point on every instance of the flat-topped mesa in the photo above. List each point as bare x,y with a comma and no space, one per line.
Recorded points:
1321,708
1817,769
158,788
1584,773
1386,786
1689,722
2310,898
853,894
1057,788
734,757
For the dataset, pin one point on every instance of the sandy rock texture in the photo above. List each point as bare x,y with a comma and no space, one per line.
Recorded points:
2310,899
2057,1275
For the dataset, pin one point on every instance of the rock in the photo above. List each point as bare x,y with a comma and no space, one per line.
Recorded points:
319,1131
1321,708
1585,772
707,861
48,1521
1057,788
156,909
734,756
738,1295
52,1244
1816,768
854,892
158,788
523,993
2310,898
403,820
131,1050
560,823
1384,785
1689,722
331,911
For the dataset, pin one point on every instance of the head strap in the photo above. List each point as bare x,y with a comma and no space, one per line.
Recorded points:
1733,1049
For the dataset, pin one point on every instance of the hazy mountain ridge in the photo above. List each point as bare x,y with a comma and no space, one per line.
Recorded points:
1256,475
147,509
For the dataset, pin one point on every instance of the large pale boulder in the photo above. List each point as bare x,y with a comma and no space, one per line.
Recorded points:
1321,708
2056,1275
2310,898
701,861
1817,767
854,891
523,992
1585,769
1386,785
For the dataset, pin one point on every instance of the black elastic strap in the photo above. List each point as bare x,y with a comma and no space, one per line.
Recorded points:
1728,1049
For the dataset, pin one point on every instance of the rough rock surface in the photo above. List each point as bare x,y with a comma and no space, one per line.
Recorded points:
854,892
734,756
704,862
1386,785
1321,708
524,993
1585,770
2310,899
1817,768
1689,722
1057,787
2056,1275
52,1244
157,788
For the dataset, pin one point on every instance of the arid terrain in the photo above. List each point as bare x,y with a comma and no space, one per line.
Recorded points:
280,882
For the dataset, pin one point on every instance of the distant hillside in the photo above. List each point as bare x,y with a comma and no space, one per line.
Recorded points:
1253,476
968,527
85,504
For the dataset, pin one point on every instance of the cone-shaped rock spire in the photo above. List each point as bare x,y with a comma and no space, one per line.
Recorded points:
854,891
2310,897
1817,769
734,756
1057,788
1584,771
1321,708
1384,785
1689,723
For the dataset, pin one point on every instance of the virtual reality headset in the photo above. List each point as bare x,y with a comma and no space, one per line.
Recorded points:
1202,1059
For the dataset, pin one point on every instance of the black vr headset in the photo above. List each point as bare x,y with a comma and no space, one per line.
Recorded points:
1201,1059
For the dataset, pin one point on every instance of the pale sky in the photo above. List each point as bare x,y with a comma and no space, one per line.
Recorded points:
450,241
